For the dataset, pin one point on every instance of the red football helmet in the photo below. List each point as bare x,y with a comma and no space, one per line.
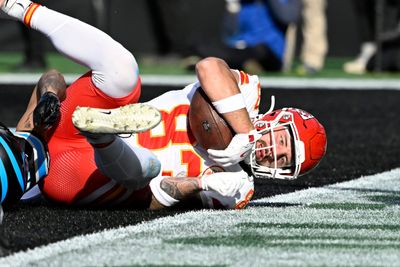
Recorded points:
308,142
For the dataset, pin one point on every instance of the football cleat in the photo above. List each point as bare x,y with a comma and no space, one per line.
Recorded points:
133,118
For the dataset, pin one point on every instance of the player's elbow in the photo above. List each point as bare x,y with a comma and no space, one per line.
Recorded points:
209,65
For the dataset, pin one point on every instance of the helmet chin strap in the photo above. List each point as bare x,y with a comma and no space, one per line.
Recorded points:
272,106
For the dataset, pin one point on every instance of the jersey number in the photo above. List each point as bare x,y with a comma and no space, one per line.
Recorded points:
173,136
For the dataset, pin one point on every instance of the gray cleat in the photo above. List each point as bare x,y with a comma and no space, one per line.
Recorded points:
133,118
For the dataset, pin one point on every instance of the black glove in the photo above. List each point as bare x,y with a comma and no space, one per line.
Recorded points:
47,111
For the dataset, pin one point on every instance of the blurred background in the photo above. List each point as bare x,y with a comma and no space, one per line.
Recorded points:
164,33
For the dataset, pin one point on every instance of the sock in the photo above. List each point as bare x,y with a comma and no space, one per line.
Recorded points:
83,44
114,69
131,167
368,49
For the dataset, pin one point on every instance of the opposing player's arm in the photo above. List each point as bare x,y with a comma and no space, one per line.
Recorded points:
220,84
43,107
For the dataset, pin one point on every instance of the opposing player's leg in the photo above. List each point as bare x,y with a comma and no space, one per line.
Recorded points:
114,69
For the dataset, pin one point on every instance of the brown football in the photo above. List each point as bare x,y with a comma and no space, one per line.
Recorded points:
208,127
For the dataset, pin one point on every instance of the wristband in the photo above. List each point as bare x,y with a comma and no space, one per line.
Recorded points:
159,194
229,104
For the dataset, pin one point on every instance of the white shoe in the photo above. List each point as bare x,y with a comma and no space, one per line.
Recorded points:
134,118
16,8
359,65
355,67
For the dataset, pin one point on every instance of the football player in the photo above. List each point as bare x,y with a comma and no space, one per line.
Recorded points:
24,158
280,144
113,81
164,166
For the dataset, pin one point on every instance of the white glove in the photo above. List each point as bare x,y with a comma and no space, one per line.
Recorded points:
227,184
238,149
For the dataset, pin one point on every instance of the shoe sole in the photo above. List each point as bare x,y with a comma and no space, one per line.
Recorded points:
133,118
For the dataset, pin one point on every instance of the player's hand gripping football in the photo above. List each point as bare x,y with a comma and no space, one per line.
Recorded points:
238,149
47,111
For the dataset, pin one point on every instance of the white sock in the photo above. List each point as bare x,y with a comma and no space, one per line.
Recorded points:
114,68
368,49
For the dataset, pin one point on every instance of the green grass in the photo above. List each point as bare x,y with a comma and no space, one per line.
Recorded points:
9,61
174,66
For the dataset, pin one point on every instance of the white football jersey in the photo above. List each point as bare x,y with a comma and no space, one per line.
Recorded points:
171,140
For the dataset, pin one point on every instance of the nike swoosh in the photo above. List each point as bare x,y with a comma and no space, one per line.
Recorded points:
106,112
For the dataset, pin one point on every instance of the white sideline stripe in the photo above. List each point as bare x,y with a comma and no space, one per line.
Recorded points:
266,82
144,244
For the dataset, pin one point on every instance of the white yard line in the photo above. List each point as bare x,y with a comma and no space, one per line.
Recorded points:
266,82
354,223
